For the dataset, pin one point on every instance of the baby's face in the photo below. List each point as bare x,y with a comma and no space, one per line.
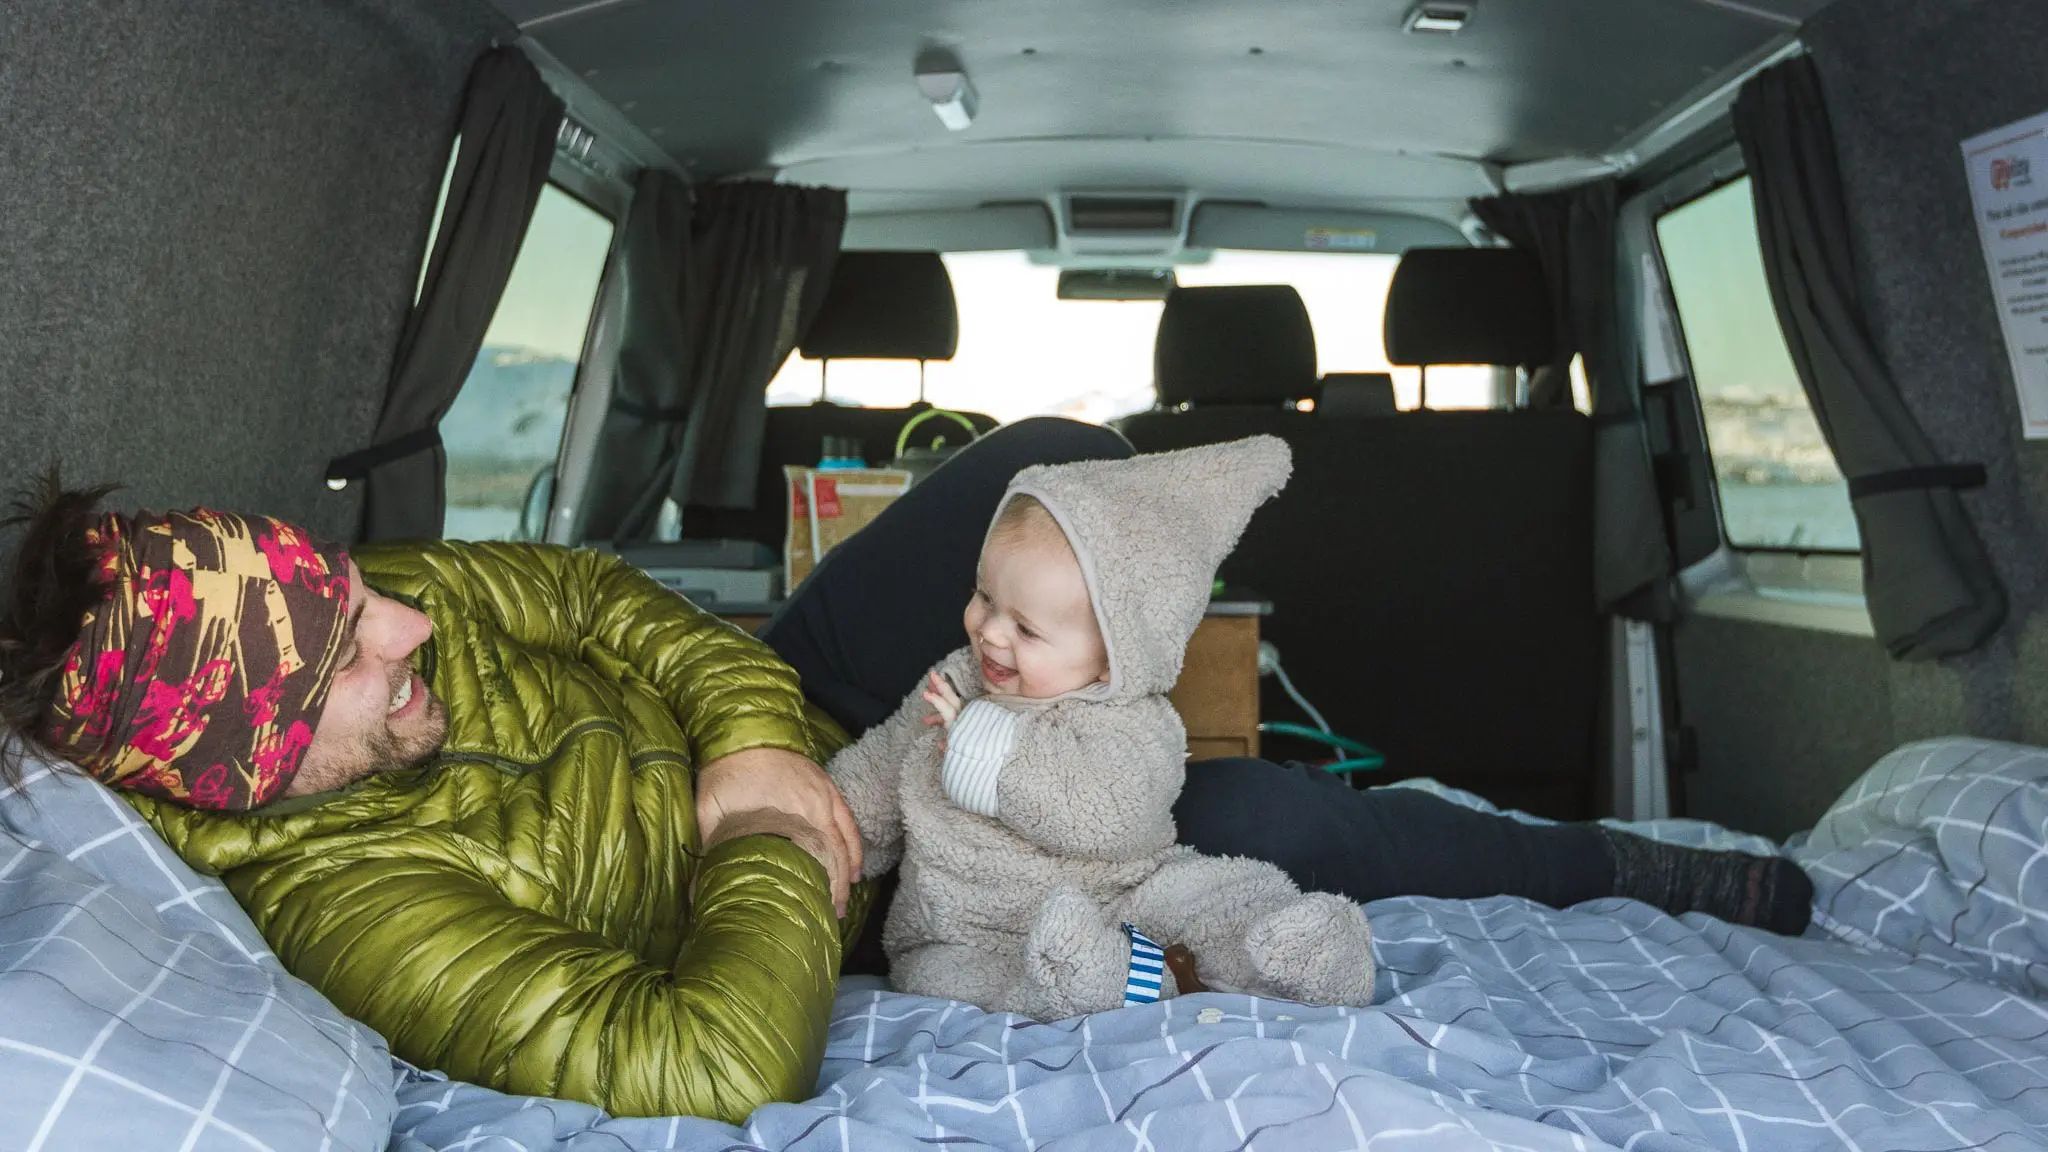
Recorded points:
1030,620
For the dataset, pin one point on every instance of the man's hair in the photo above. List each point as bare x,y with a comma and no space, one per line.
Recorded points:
53,585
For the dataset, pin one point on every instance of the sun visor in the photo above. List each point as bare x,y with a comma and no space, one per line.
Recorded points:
988,228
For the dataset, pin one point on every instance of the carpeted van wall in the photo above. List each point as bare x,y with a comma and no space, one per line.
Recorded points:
1907,81
211,221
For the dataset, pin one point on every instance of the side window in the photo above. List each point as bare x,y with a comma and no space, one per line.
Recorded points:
1779,485
505,427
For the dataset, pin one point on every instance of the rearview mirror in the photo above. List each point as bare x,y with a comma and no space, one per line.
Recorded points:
1116,283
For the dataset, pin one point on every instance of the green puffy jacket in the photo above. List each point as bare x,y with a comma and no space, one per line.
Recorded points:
530,911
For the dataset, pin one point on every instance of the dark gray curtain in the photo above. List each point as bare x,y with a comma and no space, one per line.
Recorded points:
1572,234
634,442
722,286
507,141
1928,582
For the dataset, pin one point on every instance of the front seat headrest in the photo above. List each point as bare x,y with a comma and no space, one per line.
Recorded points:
1353,394
886,306
1469,306
1248,344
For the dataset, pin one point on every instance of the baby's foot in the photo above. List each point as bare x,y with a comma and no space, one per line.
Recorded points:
1316,949
1077,957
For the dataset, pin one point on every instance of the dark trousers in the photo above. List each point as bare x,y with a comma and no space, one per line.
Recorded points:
886,605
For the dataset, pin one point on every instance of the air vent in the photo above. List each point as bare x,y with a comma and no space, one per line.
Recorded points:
574,140
1099,215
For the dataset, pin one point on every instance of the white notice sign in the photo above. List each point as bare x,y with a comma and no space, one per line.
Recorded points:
2008,173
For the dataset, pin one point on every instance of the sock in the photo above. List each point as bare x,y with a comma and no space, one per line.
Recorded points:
1768,892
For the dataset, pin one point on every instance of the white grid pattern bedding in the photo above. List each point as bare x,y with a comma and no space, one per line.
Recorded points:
1938,853
140,1009
142,1012
1502,1024
1509,1026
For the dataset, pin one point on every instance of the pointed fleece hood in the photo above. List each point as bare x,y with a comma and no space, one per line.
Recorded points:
1149,532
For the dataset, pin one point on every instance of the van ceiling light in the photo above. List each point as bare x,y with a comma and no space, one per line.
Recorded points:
1440,16
944,82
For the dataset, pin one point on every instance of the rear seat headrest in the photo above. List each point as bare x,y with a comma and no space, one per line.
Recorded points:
1468,306
1234,345
1350,394
886,306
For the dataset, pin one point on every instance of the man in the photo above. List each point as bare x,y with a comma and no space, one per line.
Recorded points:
544,909
549,828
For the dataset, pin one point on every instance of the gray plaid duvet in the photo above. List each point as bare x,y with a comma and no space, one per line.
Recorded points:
1908,1024
139,1009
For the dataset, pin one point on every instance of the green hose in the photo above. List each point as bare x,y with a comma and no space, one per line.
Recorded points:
1362,758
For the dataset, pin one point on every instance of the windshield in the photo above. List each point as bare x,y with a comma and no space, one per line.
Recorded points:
1026,352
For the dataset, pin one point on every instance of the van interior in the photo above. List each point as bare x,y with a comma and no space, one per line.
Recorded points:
1659,376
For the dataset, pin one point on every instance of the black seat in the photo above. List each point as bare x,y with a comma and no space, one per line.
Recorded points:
1461,636
1351,395
885,306
1467,306
1430,573
1432,589
879,306
1228,362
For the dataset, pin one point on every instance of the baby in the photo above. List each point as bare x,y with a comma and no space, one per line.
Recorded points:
1027,788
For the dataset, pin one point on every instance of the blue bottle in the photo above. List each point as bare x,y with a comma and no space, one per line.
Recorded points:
840,453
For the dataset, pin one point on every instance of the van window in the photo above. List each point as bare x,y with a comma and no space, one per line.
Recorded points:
505,426
1779,484
1026,352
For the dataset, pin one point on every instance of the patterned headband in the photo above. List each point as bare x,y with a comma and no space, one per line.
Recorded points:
201,674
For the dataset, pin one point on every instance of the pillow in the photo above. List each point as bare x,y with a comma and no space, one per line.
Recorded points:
1937,853
142,1008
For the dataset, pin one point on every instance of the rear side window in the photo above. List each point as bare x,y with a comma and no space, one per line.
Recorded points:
505,427
1779,484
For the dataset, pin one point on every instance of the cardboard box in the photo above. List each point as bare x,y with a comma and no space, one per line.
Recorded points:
828,505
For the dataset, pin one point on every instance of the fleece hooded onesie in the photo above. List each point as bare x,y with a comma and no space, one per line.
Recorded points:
1028,835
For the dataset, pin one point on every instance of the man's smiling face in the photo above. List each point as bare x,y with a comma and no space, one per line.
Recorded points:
379,713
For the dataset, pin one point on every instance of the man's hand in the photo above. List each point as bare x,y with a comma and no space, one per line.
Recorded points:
771,779
774,822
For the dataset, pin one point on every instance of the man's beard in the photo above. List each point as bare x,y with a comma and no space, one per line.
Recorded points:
381,750
387,751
